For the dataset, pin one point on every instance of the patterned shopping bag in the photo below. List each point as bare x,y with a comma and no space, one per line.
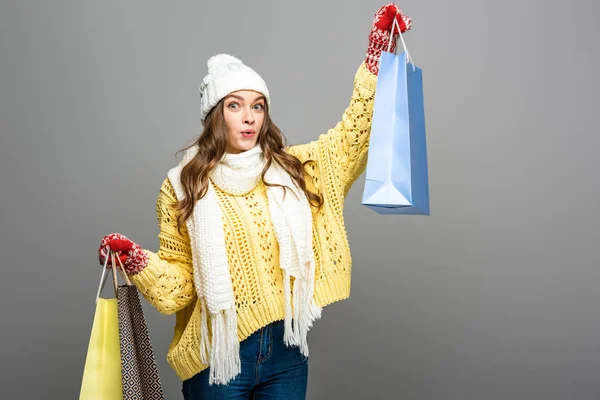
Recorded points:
141,380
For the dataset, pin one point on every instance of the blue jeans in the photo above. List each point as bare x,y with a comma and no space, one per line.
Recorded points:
270,370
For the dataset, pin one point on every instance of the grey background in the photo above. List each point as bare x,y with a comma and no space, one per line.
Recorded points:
494,296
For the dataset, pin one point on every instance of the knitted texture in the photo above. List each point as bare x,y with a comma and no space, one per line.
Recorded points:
379,37
227,74
339,158
132,256
291,218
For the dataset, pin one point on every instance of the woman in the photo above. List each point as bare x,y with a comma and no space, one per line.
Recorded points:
252,236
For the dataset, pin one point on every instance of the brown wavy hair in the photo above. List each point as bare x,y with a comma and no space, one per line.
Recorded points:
212,144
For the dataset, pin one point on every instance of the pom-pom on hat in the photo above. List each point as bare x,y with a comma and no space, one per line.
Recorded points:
227,74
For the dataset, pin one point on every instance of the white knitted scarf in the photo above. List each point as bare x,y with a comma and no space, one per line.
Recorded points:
291,217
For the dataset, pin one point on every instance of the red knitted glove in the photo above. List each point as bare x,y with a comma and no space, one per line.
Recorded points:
380,34
133,257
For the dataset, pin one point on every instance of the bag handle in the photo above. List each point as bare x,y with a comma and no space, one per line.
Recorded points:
408,57
122,271
105,271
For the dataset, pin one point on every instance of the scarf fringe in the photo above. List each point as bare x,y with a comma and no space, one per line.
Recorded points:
301,308
288,337
225,361
204,339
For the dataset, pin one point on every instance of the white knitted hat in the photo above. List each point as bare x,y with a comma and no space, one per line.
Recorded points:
227,74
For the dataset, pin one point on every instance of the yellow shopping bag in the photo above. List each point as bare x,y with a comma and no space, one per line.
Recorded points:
102,371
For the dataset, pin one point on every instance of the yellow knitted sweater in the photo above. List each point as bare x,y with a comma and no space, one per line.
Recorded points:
167,282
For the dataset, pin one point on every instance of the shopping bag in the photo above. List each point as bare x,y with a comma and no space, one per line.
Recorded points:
141,380
102,371
396,172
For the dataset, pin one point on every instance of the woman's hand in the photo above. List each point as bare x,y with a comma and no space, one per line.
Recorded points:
133,257
381,31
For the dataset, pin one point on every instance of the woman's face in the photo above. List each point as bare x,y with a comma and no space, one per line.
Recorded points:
244,113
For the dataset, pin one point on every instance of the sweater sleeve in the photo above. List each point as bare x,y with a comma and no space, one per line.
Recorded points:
345,147
167,281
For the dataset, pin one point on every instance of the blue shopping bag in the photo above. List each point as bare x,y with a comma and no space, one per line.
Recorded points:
397,174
